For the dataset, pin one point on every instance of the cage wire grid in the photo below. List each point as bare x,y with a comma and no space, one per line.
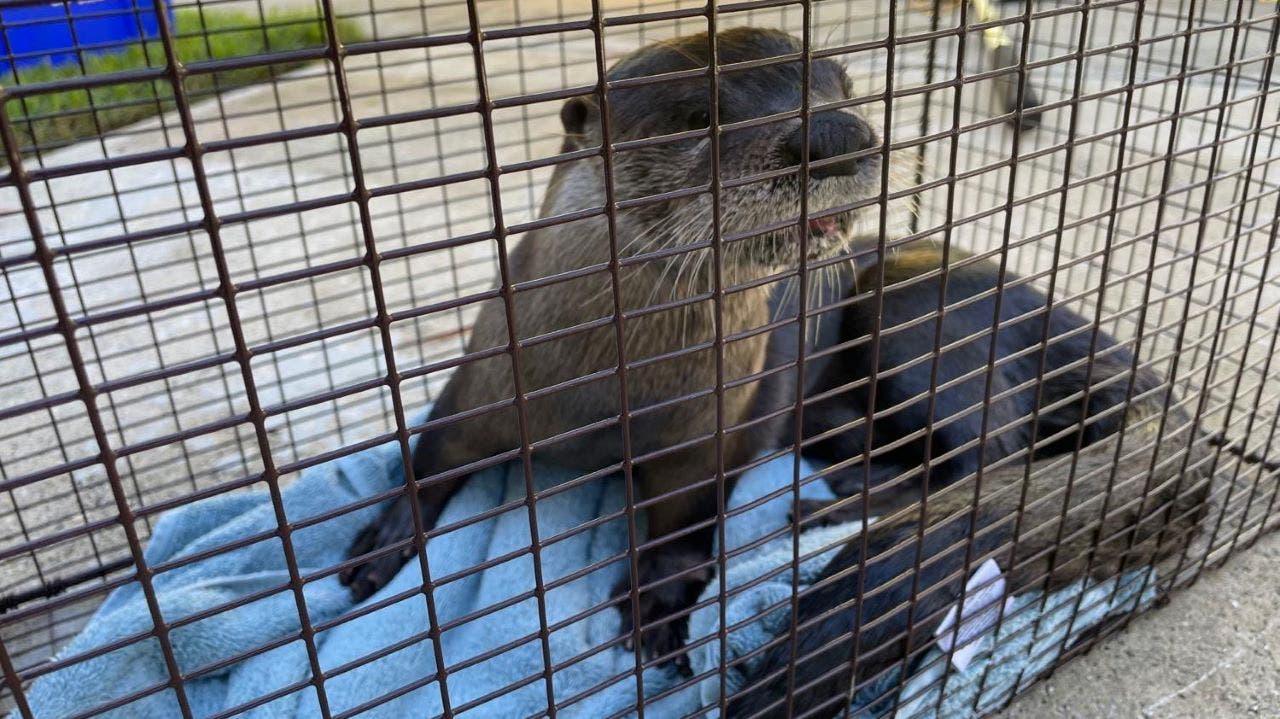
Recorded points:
134,381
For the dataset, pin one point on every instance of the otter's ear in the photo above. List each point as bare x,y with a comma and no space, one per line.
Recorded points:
577,115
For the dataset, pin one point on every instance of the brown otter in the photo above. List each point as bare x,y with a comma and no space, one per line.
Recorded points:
568,357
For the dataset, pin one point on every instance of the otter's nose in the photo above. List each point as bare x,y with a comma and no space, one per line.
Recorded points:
831,134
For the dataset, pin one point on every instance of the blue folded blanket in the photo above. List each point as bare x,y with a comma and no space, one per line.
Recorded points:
591,683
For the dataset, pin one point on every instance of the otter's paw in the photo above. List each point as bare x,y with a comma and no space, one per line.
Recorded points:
367,577
670,582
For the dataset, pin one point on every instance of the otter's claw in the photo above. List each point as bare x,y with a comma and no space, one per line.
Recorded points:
672,585
374,573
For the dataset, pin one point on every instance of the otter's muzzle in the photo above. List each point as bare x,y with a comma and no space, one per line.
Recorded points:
832,134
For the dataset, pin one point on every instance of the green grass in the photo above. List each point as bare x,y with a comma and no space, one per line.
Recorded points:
52,119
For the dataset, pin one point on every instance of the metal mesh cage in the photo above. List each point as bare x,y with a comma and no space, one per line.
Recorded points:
228,278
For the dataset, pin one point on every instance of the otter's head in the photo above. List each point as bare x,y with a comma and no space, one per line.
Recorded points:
759,217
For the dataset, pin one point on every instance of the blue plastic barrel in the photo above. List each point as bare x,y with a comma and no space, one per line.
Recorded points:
53,32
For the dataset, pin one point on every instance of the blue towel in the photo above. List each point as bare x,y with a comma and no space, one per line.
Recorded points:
601,682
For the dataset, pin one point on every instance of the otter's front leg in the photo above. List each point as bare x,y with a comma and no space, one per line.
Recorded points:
440,450
675,561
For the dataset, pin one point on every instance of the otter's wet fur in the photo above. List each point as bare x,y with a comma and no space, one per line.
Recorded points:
569,377
1152,508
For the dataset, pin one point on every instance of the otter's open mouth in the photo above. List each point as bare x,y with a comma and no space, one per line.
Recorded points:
824,227
832,228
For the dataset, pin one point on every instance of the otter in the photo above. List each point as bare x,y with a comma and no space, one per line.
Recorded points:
1031,491
954,398
1060,537
568,351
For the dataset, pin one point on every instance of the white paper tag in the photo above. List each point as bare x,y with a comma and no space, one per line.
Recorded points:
982,594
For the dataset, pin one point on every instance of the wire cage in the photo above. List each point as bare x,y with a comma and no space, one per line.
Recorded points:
253,260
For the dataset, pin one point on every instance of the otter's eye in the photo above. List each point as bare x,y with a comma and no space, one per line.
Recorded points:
697,120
